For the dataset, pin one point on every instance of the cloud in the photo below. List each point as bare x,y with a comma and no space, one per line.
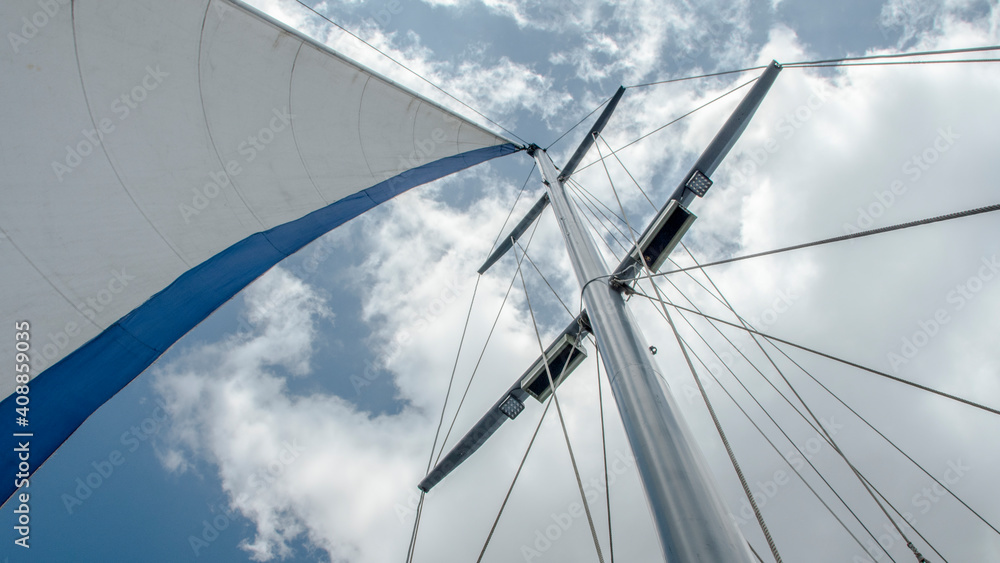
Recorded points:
819,160
471,77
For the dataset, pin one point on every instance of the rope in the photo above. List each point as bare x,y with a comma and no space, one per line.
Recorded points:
408,69
859,234
562,422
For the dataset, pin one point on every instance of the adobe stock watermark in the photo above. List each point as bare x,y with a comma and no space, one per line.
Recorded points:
105,467
593,490
258,481
913,169
923,501
752,160
383,16
91,306
958,298
122,107
428,314
250,148
798,458
783,302
32,25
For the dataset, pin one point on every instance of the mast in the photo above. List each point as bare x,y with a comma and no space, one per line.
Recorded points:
692,522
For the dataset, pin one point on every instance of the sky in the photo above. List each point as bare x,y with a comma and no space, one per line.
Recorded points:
295,422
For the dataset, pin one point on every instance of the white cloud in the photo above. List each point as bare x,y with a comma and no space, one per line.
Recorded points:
822,151
497,88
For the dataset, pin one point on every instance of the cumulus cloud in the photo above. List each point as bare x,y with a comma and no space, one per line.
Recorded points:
829,152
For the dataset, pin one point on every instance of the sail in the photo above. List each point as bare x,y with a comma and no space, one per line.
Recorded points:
160,156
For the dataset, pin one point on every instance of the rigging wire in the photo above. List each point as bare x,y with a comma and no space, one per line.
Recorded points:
827,62
865,483
820,433
775,447
706,104
597,202
482,352
596,232
903,55
562,421
458,355
851,236
451,380
895,63
834,358
416,526
525,457
725,440
578,123
709,75
437,433
886,438
614,190
517,474
711,410
804,455
588,199
408,69
627,171
842,402
786,436
512,207
604,451
868,486
715,419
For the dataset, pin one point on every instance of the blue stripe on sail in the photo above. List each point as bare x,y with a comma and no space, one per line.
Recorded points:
67,393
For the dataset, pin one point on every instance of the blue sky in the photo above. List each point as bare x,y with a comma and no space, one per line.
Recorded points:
258,436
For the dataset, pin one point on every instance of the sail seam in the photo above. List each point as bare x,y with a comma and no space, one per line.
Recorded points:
208,124
291,124
76,386
104,148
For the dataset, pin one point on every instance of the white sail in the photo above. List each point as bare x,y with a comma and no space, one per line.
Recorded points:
159,156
